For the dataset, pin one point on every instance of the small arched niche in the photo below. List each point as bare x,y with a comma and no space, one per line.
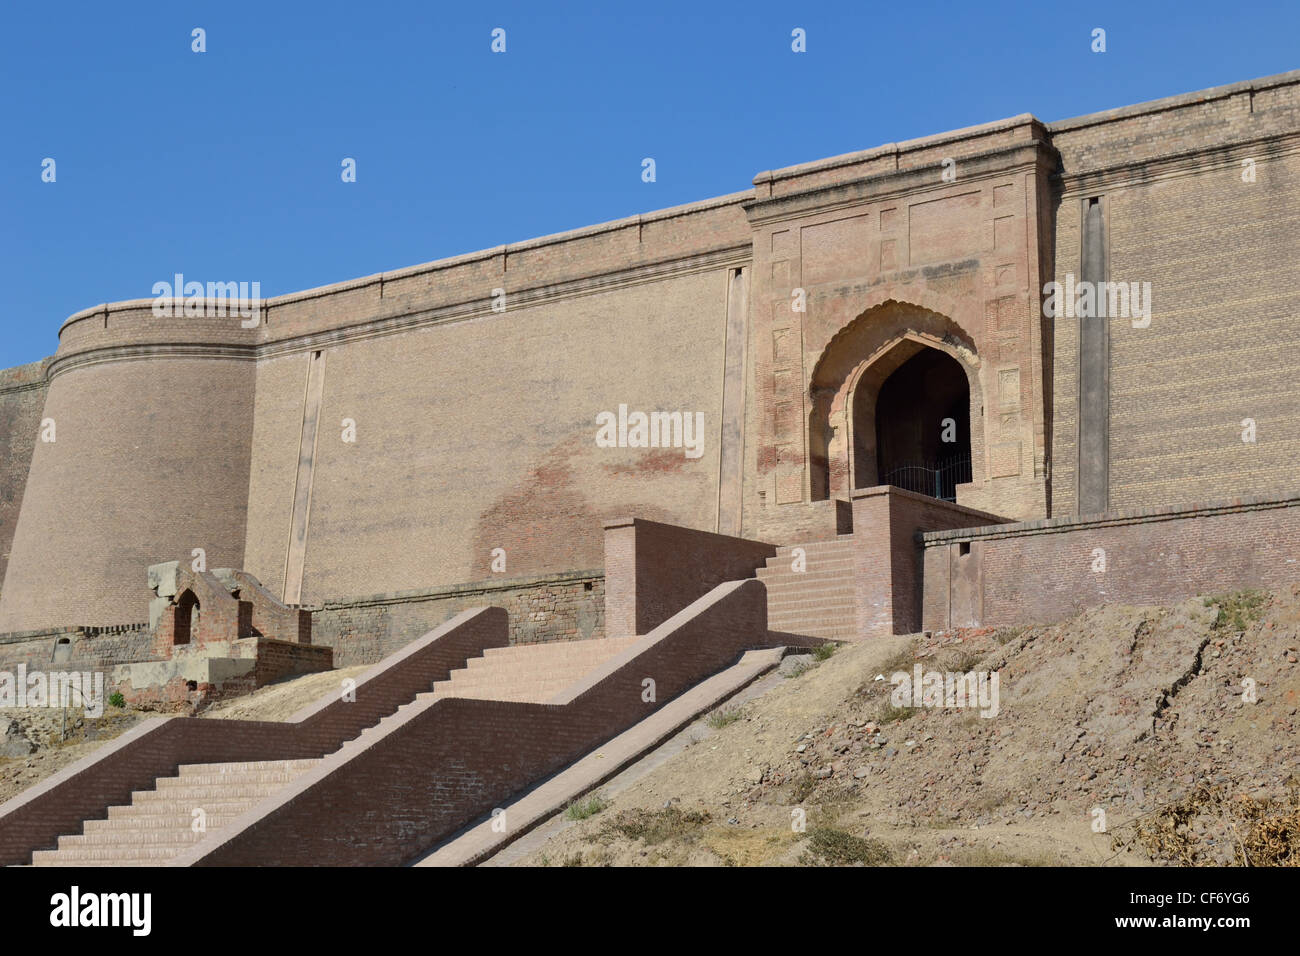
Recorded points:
187,617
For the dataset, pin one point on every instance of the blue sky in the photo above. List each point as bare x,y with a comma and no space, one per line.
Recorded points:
225,165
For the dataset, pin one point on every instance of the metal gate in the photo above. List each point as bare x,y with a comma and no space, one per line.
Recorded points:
938,480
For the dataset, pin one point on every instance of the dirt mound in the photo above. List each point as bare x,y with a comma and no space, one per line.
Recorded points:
281,700
1125,735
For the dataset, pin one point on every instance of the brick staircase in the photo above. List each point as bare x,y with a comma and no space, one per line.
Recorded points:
817,602
524,673
157,825
529,673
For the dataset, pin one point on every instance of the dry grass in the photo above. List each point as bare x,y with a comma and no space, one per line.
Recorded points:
1262,832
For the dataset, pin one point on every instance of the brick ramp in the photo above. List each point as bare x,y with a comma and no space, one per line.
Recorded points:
71,799
389,796
816,602
551,797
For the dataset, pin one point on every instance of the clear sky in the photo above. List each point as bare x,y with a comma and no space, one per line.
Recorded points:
225,165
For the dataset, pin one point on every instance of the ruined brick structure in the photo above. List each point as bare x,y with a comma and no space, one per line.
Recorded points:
827,322
215,634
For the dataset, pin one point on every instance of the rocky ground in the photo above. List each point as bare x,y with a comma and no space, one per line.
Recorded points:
1122,737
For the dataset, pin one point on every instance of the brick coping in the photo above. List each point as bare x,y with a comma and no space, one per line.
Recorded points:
88,630
877,491
1109,519
485,586
462,259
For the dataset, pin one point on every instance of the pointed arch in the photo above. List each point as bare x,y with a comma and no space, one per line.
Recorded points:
848,376
187,617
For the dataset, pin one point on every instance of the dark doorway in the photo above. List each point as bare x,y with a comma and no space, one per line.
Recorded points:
187,617
922,425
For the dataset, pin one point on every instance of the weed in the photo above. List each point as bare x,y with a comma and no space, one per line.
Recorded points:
888,713
655,826
803,788
723,716
1237,612
958,661
585,807
839,848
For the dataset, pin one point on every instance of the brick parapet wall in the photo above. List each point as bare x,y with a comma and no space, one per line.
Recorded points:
93,647
447,761
580,261
887,559
35,818
1041,571
555,607
800,522
653,570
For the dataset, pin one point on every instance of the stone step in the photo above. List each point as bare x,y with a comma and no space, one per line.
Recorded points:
817,589
554,650
222,780
828,592
838,629
466,679
524,696
796,606
818,613
838,543
536,691
578,666
825,565
83,863
161,808
809,624
156,854
826,569
184,820
186,769
140,836
247,791
809,579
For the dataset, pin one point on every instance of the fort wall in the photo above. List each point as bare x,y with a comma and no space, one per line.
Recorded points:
22,400
1217,243
387,435
150,462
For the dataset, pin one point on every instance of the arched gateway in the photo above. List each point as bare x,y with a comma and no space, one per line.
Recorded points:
895,399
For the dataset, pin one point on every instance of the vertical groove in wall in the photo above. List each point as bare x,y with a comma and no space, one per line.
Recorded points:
296,553
1094,370
731,454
